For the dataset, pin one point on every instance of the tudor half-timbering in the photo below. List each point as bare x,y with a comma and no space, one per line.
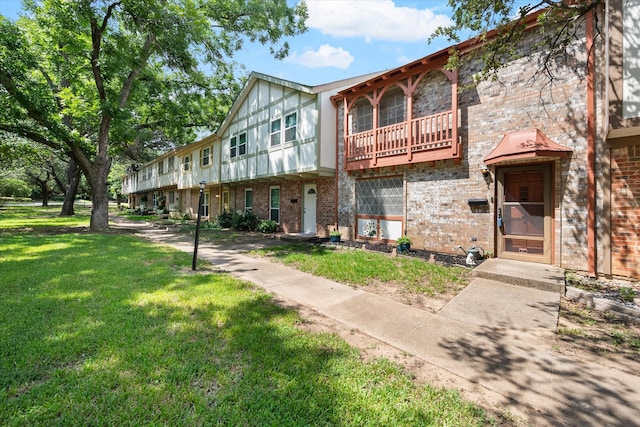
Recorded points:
505,161
278,153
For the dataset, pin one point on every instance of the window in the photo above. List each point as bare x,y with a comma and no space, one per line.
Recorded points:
172,197
391,108
186,162
205,204
290,126
242,144
363,119
383,197
206,156
161,167
233,147
276,126
248,199
171,163
274,204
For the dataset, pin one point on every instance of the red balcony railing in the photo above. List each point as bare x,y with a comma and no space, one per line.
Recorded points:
426,138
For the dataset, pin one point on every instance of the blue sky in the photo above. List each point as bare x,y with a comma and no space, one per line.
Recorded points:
346,38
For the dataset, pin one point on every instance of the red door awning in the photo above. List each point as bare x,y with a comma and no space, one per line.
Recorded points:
525,144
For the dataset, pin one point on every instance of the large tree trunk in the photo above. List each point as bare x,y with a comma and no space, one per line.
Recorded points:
71,189
100,195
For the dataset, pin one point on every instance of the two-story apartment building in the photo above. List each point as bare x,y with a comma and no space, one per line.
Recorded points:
537,169
274,154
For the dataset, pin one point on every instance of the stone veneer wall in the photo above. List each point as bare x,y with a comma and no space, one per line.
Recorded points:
438,215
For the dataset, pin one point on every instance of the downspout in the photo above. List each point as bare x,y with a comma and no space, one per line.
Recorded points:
591,129
336,177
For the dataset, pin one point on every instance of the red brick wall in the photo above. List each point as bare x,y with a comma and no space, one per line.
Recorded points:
291,204
625,211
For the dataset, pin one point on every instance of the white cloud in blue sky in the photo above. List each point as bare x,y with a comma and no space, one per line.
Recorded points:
325,56
379,20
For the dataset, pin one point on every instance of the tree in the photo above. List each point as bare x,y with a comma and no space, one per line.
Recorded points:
499,29
90,78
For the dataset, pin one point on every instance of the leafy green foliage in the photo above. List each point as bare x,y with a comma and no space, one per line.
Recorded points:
225,220
559,26
244,221
94,79
14,187
267,226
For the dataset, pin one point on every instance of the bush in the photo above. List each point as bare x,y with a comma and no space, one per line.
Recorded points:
267,226
224,220
12,187
244,221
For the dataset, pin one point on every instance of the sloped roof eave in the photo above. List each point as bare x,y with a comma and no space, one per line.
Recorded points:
525,144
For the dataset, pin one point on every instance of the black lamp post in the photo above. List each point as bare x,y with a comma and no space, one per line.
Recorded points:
195,246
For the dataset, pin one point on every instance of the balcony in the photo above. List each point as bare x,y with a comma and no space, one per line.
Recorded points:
425,139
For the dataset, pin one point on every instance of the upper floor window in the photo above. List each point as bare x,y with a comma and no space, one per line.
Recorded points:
161,167
205,156
242,144
362,116
186,162
276,127
290,127
391,108
171,163
233,147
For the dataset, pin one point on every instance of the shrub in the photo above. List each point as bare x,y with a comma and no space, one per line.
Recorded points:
13,187
224,220
244,221
267,226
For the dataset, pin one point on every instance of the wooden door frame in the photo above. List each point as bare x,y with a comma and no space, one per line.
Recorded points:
549,221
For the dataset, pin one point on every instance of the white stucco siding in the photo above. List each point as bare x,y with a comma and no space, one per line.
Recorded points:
327,131
631,59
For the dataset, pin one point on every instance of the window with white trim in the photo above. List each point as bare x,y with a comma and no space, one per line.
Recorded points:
161,167
171,163
274,204
290,127
205,156
233,146
242,144
276,127
248,199
186,162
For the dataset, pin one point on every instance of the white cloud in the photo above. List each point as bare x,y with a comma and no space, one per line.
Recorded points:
325,56
373,20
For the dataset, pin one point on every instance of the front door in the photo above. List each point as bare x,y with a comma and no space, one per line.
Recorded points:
309,209
524,215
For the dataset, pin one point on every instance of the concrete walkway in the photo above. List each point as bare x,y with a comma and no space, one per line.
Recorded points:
496,338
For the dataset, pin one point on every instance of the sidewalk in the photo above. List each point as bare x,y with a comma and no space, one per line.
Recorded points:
492,337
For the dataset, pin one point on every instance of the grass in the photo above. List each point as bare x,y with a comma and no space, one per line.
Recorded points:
14,217
362,267
106,329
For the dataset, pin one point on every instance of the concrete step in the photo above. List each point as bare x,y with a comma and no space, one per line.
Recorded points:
527,274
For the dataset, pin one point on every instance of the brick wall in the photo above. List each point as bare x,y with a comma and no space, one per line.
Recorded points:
291,203
625,210
438,215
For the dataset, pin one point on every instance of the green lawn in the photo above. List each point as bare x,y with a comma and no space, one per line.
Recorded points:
34,217
106,329
361,267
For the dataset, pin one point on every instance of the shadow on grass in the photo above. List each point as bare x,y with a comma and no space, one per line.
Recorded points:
103,329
